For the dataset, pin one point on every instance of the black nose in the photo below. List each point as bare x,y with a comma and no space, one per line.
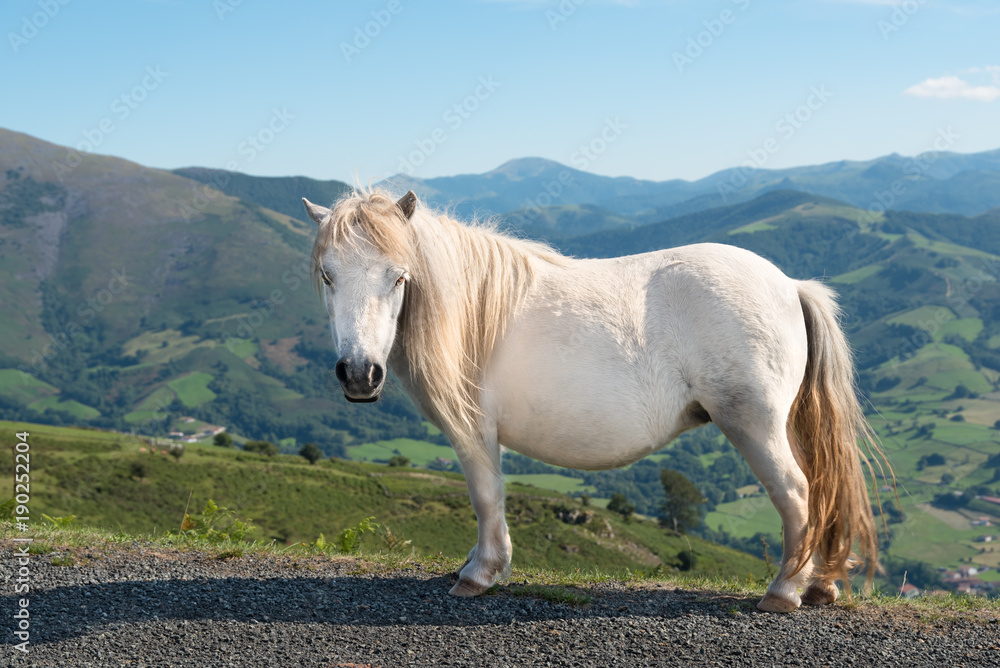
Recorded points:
341,371
361,381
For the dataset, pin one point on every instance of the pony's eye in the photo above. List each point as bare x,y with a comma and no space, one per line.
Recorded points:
325,278
401,280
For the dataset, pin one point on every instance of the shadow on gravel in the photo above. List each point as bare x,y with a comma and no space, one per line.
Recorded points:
69,611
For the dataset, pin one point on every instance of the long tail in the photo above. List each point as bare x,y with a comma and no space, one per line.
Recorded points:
829,424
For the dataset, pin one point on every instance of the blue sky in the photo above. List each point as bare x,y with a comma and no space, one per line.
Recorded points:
655,89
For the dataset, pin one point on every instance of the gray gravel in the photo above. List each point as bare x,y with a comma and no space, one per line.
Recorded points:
155,607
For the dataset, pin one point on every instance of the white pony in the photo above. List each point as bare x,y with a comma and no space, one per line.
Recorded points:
594,364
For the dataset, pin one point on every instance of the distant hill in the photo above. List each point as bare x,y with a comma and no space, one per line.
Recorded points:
282,194
931,182
136,296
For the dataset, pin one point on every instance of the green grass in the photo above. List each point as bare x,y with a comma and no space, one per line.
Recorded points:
135,417
857,275
745,517
71,406
241,347
758,226
420,453
108,482
192,389
967,328
158,400
924,317
947,248
24,387
177,346
553,481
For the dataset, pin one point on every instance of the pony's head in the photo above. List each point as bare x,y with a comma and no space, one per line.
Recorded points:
361,261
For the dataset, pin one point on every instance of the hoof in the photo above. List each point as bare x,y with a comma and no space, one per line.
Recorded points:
772,603
820,593
467,589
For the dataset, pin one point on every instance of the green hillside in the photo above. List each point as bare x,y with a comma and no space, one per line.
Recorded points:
282,193
137,296
120,482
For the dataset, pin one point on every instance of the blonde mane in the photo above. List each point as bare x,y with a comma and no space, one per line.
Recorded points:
466,281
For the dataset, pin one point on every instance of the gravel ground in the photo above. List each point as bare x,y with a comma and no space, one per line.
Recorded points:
157,607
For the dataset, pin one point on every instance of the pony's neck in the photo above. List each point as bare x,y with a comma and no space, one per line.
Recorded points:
467,283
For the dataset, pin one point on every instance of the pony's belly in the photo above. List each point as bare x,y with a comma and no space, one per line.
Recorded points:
582,435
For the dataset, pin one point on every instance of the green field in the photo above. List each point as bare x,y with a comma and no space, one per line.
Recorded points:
967,328
420,453
758,226
24,387
71,406
553,481
158,400
116,481
136,417
745,517
857,275
192,389
241,347
164,346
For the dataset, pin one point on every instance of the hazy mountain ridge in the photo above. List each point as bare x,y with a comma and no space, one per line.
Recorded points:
931,182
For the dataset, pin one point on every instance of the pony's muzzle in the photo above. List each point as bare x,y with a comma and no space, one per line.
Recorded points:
361,382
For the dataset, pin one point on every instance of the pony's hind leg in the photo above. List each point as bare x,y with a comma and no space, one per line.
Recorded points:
489,560
767,450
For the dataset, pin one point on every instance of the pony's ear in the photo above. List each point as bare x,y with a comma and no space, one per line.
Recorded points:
315,211
407,204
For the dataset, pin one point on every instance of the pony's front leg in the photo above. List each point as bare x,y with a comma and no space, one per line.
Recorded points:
489,560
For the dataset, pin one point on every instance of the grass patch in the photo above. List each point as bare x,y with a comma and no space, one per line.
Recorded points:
157,400
134,417
165,346
553,481
71,406
420,453
192,389
857,275
241,347
758,226
24,387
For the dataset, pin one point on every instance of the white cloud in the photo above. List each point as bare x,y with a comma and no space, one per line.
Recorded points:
952,87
